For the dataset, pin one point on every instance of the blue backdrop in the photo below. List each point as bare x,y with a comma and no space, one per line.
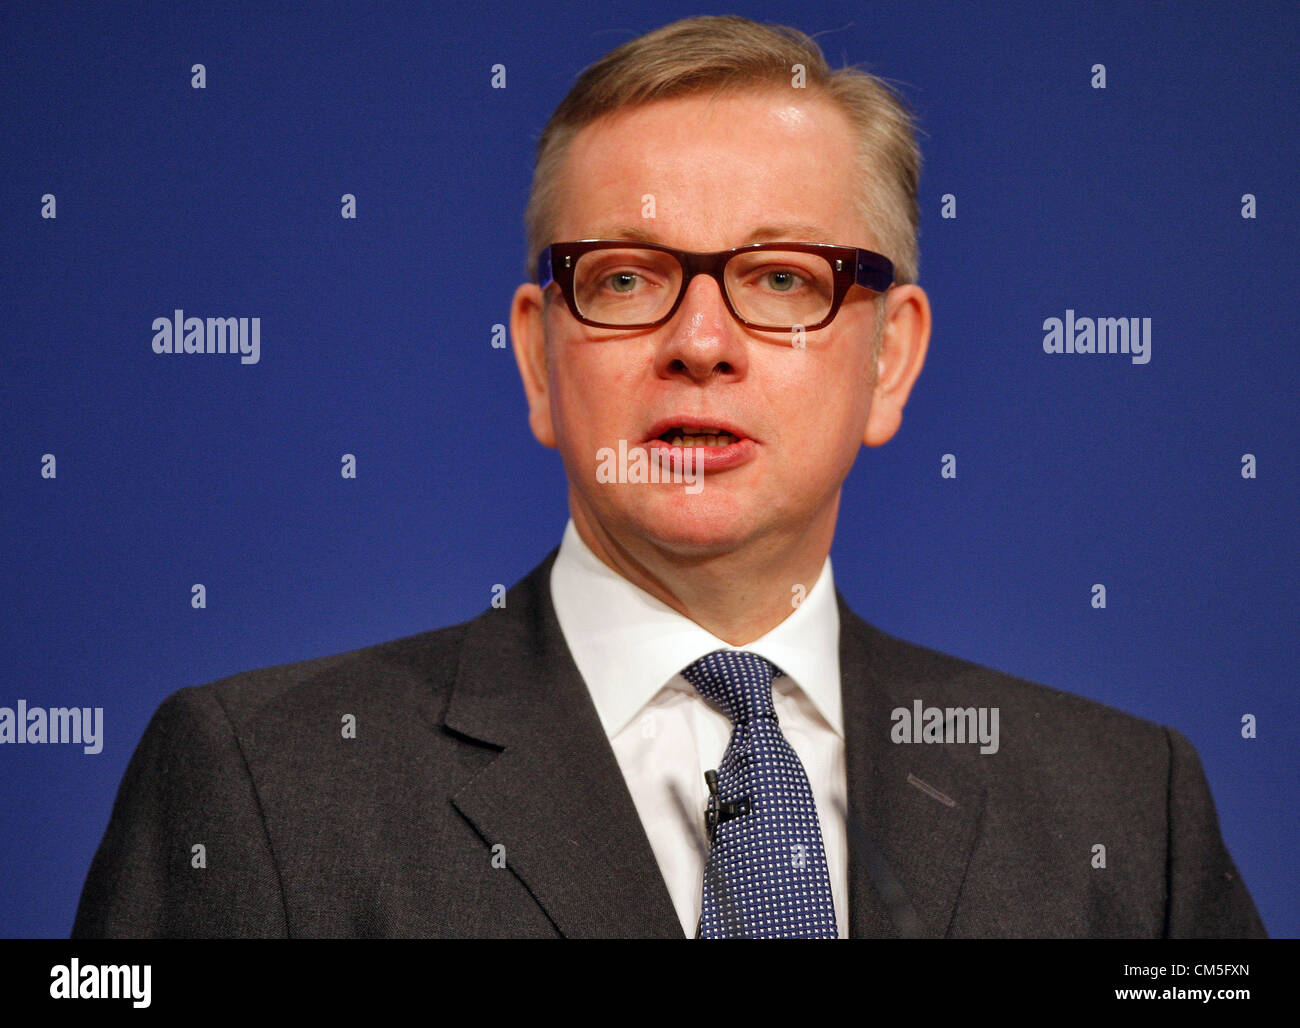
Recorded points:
376,340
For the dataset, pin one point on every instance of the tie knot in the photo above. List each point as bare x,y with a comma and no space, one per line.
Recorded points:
737,682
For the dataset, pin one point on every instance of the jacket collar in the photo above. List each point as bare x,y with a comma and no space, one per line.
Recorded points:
555,797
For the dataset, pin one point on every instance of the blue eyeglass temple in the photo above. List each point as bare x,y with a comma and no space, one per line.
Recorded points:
868,274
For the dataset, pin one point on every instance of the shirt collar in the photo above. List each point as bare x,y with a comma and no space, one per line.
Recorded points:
628,645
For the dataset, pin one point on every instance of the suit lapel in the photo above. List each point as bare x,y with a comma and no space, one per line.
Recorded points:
914,810
554,797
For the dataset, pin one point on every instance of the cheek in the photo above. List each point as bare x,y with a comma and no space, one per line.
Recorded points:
816,387
819,412
591,387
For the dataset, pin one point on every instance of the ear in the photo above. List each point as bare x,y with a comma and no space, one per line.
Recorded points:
529,340
902,352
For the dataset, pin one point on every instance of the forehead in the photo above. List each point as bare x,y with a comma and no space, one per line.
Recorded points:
712,171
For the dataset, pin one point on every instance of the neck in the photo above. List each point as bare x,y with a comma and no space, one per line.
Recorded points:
738,595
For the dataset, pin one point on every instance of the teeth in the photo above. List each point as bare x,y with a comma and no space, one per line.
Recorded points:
704,439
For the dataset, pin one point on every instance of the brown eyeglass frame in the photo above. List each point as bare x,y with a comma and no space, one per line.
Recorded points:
850,265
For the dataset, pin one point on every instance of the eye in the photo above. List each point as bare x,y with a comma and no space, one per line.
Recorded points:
622,281
781,280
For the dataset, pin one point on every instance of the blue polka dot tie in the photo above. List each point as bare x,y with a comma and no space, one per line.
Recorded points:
766,875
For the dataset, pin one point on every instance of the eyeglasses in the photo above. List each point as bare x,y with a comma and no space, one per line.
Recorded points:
774,287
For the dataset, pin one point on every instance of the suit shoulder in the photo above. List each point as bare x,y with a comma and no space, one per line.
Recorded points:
399,688
414,668
1041,726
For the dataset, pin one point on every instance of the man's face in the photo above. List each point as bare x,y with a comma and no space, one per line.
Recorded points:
715,173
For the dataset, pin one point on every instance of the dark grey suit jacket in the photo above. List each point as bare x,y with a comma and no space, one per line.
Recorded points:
478,745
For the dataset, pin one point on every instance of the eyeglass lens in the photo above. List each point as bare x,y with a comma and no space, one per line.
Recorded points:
766,287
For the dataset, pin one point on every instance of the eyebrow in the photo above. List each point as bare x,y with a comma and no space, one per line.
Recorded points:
785,232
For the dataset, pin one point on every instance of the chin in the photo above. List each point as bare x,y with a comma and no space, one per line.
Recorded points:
691,525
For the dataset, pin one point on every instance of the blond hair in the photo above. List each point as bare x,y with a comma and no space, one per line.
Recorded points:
729,52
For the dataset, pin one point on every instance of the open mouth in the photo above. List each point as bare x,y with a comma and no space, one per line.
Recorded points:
691,435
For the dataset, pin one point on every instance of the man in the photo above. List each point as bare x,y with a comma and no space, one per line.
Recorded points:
540,770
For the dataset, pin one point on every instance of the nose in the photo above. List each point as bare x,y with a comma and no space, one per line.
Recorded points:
703,341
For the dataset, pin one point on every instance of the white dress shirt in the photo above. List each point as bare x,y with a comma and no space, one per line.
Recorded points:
631,649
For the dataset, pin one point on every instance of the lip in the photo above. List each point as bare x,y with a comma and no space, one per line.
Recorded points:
707,458
695,421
